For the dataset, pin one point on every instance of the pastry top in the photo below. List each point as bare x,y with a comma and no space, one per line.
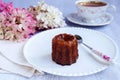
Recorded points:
67,38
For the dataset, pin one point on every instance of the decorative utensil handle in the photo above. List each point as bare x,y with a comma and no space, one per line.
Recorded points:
105,57
100,54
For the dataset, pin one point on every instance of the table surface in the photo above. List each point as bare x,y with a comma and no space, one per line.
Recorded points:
67,7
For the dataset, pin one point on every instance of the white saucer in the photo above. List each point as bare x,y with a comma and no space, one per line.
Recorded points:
103,20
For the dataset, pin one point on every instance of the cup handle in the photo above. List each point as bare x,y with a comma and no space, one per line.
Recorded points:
112,7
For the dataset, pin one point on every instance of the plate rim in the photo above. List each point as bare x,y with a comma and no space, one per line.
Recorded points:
84,74
89,24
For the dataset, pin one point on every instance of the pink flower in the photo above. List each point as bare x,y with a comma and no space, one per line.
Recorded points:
6,7
18,25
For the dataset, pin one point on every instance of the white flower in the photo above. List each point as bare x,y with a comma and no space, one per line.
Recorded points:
9,35
50,16
1,34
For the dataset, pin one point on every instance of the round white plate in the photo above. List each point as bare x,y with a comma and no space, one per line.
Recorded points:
103,20
37,51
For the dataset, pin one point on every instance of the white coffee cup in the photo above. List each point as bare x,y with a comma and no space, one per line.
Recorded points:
91,10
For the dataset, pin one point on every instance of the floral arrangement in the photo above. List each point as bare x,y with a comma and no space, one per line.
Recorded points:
15,23
47,16
18,24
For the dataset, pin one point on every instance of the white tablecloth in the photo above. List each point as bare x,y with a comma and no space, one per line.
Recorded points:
67,6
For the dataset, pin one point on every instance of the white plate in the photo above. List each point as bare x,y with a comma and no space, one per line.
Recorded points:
37,51
103,20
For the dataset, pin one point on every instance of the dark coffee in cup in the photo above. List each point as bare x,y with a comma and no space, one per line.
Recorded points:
92,4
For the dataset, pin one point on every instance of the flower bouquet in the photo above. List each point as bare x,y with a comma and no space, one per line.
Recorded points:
18,24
